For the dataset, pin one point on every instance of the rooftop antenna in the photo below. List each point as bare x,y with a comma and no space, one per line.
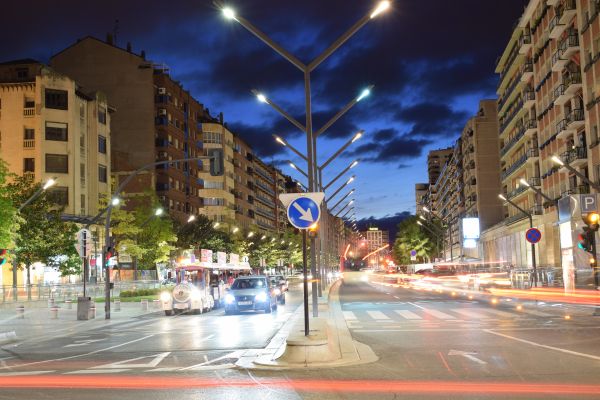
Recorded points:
116,31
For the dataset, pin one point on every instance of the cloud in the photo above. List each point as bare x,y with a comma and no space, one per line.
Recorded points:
432,119
397,147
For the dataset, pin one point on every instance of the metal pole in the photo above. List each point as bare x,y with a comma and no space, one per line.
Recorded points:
305,283
84,252
533,262
450,241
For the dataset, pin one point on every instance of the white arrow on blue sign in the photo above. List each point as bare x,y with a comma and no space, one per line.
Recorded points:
303,210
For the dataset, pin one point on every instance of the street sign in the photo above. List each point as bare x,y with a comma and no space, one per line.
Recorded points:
413,255
589,203
533,235
303,209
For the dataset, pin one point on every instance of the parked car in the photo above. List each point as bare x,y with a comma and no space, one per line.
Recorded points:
251,293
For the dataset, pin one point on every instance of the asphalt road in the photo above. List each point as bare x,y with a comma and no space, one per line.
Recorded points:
430,346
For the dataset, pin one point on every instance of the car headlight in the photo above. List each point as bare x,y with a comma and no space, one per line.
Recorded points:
165,296
329,275
277,292
261,297
229,299
196,295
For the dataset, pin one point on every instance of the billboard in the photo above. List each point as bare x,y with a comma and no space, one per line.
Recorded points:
470,228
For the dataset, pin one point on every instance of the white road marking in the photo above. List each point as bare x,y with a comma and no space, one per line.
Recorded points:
471,313
78,355
96,371
416,305
501,313
544,346
466,354
235,354
438,314
127,363
377,315
407,314
83,342
25,373
163,369
349,316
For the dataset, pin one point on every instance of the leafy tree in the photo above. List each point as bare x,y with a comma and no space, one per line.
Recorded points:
410,236
200,234
8,211
42,236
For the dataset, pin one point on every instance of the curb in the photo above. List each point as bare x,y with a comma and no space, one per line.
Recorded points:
8,337
331,347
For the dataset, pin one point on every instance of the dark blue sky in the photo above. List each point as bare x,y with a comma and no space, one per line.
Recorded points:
430,61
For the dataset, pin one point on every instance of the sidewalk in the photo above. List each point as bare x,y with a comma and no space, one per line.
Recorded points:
328,345
37,323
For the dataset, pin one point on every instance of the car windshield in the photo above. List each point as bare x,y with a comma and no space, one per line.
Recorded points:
249,284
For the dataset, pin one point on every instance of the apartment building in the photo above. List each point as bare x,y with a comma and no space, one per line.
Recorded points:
546,109
376,239
265,196
436,159
421,191
51,128
244,184
157,120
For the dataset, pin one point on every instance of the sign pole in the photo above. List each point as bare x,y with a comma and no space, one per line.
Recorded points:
84,254
305,283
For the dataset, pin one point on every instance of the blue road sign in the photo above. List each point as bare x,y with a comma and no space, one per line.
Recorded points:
533,235
413,253
303,212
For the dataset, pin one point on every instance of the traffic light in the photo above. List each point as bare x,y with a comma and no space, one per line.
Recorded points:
216,162
3,256
108,254
313,230
592,220
585,240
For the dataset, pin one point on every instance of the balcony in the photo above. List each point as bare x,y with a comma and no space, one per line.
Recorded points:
29,111
262,173
534,181
575,157
556,28
511,143
527,71
514,218
514,167
533,154
582,189
572,82
525,43
575,119
560,95
536,210
508,118
561,129
570,46
265,201
264,213
528,98
530,127
521,189
568,11
29,143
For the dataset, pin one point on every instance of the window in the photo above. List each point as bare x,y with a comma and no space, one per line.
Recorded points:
29,103
213,201
212,137
57,163
29,165
102,115
59,195
102,173
22,73
57,99
213,185
101,144
57,131
29,134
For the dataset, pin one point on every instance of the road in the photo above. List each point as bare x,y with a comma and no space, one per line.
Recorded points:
430,346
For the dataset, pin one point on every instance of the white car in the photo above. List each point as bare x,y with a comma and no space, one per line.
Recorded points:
186,297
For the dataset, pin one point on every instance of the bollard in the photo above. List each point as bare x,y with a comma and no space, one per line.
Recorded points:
92,312
117,304
69,304
156,303
54,312
144,303
20,312
50,302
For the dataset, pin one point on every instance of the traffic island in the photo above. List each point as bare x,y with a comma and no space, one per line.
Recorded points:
329,343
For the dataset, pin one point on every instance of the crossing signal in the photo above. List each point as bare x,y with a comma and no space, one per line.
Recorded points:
585,239
592,220
3,256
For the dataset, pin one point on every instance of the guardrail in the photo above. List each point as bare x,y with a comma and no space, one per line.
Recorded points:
60,293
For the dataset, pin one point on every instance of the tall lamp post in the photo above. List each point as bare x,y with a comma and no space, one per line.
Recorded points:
530,217
306,69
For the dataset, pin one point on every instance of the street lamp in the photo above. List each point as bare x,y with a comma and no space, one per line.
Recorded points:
348,168
49,183
381,7
343,198
349,181
530,217
354,138
574,171
216,225
294,166
538,191
235,229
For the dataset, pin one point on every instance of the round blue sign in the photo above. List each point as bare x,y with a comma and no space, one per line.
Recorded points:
303,212
533,235
413,253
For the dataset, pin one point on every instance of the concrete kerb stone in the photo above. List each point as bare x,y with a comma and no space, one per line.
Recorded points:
329,344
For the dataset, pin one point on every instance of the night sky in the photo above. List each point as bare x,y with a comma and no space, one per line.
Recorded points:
430,61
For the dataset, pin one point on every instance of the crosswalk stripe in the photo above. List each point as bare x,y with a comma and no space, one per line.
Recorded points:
536,313
438,314
377,315
349,315
501,313
408,314
472,313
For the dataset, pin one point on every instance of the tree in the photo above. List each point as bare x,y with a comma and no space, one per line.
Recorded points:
200,234
42,236
8,211
410,237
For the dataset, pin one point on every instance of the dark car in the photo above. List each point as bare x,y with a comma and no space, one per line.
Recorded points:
251,293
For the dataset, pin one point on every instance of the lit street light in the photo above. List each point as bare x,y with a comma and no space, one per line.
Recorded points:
191,218
294,166
348,168
538,191
216,225
584,178
342,199
49,183
349,181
